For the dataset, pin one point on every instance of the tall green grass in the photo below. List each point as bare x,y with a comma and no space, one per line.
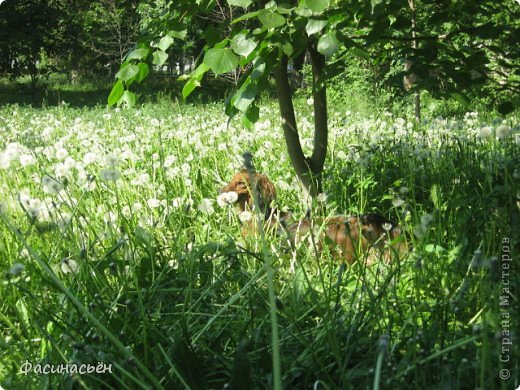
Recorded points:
113,249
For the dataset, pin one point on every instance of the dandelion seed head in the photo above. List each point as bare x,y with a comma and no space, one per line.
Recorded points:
227,198
69,266
206,206
245,216
51,185
503,131
321,198
153,203
485,132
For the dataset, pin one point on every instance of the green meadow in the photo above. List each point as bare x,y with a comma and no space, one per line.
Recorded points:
116,257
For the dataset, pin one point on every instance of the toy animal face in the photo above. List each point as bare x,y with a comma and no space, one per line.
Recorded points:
242,184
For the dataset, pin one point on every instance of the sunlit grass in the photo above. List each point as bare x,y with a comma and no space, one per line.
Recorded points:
113,249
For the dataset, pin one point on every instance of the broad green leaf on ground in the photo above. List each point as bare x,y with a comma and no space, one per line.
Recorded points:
328,44
243,45
159,57
221,60
271,19
240,3
115,93
317,6
138,54
315,26
127,72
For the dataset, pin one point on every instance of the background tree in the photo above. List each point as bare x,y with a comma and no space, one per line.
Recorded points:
27,37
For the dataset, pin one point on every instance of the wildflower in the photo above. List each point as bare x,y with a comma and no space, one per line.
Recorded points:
169,160
206,206
398,202
503,131
51,185
485,132
61,153
141,180
89,158
321,198
126,211
227,198
110,218
112,160
69,266
341,155
27,160
387,226
245,216
310,101
153,203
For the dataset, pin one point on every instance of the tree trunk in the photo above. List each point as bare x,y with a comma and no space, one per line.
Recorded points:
417,96
308,170
321,131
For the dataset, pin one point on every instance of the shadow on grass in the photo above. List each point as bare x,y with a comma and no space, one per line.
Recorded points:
92,93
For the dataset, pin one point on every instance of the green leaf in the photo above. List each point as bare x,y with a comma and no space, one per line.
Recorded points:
245,96
247,16
251,116
159,57
271,19
221,60
243,45
463,100
317,6
165,43
127,98
137,54
240,3
258,68
115,93
315,26
328,44
360,53
189,87
127,72
143,71
179,34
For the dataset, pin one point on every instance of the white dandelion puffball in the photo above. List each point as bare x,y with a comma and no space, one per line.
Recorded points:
245,216
206,206
227,198
485,132
51,185
69,266
503,131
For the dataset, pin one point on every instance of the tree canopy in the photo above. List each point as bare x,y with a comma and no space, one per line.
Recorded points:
449,48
